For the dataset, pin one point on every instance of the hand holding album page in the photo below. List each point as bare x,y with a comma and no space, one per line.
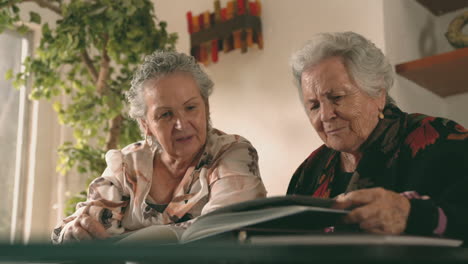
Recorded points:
292,219
281,214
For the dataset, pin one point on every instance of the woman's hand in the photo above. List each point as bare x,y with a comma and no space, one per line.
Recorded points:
85,228
375,210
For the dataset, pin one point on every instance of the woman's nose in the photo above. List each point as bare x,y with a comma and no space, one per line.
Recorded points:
180,122
327,112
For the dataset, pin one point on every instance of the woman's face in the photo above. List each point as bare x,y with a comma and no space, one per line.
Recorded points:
342,114
176,114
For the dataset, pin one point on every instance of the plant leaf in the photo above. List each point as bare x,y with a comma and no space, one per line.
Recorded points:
34,17
9,74
23,29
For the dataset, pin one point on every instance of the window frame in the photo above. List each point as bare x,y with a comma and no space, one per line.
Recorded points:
38,187
22,143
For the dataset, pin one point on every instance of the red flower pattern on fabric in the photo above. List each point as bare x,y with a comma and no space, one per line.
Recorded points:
423,136
460,128
463,133
323,191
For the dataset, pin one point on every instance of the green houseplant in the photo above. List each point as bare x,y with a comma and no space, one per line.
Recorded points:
89,57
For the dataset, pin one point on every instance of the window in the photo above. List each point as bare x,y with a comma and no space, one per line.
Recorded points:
13,122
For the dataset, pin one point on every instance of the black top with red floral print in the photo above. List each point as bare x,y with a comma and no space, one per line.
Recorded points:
424,158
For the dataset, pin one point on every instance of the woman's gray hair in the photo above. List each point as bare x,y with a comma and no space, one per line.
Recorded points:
365,63
158,65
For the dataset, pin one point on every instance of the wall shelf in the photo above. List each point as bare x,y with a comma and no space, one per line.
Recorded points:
444,74
440,7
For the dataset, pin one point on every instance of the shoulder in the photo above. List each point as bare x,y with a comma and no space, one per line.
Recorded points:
320,151
430,133
231,153
134,147
127,150
127,156
219,143
219,137
442,125
117,156
307,171
318,154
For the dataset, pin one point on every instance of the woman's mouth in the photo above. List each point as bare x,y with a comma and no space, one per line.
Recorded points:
184,139
334,131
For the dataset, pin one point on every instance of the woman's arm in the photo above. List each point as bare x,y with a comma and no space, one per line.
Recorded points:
99,217
236,178
433,202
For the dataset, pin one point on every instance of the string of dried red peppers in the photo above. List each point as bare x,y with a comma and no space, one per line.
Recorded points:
226,40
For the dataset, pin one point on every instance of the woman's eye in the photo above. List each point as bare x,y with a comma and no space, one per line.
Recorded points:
337,97
314,107
191,107
165,115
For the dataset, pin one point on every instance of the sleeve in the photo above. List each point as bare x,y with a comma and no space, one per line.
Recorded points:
443,208
105,202
236,178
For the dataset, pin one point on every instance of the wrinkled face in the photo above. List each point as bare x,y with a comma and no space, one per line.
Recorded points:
176,114
342,114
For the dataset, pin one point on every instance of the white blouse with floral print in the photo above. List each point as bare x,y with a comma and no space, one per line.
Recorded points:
226,173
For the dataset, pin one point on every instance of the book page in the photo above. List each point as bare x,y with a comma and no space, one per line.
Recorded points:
228,221
274,201
160,234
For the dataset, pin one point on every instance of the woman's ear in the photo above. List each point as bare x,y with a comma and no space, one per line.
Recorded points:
207,107
144,126
381,100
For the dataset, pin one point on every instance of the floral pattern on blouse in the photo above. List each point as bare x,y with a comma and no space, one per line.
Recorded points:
226,173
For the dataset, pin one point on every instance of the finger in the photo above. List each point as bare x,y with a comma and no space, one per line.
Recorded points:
342,205
378,221
342,202
80,234
380,228
362,197
371,225
68,235
339,196
362,214
376,230
94,228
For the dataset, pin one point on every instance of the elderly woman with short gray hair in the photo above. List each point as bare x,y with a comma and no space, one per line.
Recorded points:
183,168
396,172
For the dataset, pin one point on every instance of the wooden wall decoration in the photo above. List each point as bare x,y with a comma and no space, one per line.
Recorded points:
237,26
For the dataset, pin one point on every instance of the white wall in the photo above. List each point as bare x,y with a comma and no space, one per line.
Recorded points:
411,33
254,95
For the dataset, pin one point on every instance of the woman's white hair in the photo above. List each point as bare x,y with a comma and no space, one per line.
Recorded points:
365,63
158,65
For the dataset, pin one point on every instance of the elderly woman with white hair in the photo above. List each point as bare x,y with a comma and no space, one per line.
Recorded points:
183,169
396,172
